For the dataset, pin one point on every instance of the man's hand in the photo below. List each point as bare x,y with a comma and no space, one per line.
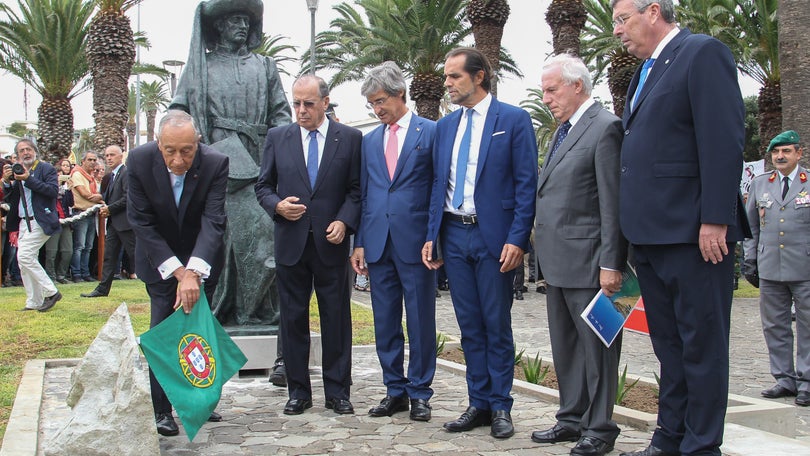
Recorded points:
288,208
427,257
188,289
335,232
610,281
358,260
712,242
511,257
23,176
7,173
104,211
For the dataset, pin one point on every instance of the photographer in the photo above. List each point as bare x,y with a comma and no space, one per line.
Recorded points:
30,188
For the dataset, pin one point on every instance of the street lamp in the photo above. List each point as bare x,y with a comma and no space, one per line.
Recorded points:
313,6
173,80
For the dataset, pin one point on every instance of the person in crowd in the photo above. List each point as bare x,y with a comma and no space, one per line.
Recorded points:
776,261
581,251
60,245
86,194
680,208
310,185
482,211
396,177
30,192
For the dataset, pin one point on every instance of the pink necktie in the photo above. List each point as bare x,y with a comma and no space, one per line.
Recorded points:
391,150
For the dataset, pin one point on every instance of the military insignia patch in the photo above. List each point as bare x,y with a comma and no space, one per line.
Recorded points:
196,361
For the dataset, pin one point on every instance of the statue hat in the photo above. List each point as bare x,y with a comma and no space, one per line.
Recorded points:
786,138
212,10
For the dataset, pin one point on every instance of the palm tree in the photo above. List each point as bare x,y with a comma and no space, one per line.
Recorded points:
153,97
566,19
488,18
603,51
272,47
543,120
131,115
44,46
794,59
110,54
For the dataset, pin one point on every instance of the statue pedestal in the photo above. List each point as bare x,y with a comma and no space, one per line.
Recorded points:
260,350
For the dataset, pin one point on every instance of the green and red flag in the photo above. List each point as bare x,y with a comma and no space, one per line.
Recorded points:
192,357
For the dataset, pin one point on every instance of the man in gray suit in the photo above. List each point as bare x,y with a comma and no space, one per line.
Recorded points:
778,210
580,249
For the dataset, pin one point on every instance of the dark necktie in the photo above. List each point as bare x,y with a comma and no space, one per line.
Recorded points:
312,157
461,163
642,78
562,133
785,186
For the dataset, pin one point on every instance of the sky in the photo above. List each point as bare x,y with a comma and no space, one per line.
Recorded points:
168,25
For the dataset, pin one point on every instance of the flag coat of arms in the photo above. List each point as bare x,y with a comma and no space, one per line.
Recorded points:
192,357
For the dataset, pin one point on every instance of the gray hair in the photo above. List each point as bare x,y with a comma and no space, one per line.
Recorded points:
323,88
572,69
85,153
176,118
28,141
667,8
386,77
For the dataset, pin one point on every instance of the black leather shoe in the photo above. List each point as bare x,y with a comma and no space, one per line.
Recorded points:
591,446
502,427
88,279
215,417
556,434
166,424
279,375
94,294
803,398
49,302
420,410
390,405
777,391
469,420
518,295
340,406
650,451
297,406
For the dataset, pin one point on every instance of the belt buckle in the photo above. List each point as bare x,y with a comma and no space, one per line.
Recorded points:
469,219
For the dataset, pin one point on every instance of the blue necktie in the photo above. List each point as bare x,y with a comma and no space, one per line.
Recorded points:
178,188
562,133
642,78
461,163
312,157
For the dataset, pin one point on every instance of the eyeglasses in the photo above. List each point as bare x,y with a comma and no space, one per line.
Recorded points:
307,104
620,20
377,103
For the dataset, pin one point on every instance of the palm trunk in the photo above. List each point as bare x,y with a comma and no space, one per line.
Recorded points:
770,114
794,60
150,124
131,133
55,128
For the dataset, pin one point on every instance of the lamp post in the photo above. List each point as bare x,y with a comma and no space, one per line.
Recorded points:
313,6
173,80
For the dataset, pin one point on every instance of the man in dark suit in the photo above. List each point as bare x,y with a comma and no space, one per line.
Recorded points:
31,195
396,177
119,232
580,250
482,211
176,207
679,205
310,186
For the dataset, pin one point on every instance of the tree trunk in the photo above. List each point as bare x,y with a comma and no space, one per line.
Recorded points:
150,124
794,60
567,19
488,41
770,114
131,134
427,90
55,128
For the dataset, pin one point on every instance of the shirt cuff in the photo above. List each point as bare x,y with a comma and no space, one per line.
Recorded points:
199,265
608,269
167,268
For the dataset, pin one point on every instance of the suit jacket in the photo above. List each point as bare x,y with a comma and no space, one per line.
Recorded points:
43,184
336,195
505,180
162,229
780,245
399,206
682,151
577,230
116,199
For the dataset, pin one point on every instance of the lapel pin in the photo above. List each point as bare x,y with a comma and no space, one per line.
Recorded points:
666,62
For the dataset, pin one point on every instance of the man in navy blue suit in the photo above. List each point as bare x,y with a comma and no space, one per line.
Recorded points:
679,205
481,212
31,195
395,180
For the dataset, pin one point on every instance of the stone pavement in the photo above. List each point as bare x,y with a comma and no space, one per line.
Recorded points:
254,425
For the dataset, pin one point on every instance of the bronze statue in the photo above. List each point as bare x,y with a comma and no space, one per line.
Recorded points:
235,96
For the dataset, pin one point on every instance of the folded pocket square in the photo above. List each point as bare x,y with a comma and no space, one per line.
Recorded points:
498,133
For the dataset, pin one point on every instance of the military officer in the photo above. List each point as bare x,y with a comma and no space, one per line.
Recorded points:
778,209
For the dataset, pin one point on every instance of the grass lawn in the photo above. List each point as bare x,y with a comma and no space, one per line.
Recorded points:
68,329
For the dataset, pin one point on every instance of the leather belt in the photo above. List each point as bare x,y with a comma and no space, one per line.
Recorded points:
463,219
27,219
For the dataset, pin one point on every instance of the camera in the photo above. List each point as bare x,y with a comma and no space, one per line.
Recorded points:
17,168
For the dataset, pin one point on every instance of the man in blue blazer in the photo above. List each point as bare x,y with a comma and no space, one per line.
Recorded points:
395,179
482,211
34,215
310,185
679,205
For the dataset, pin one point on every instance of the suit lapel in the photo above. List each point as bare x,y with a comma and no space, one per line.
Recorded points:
448,141
294,146
411,139
376,148
190,184
163,182
573,137
329,151
486,136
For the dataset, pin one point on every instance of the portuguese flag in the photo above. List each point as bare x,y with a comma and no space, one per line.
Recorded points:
192,357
